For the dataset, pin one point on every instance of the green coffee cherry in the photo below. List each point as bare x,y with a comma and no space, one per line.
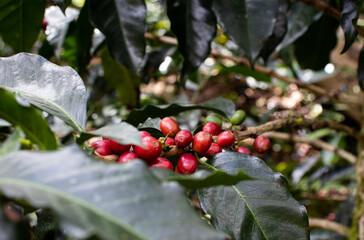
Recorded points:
214,119
238,117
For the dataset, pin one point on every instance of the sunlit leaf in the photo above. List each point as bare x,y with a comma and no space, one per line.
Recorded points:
109,200
257,208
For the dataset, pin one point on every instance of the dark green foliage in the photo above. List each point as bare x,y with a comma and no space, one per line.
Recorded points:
194,24
123,24
313,49
257,208
348,21
361,68
20,22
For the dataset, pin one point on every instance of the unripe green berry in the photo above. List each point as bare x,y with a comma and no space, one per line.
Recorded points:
213,119
238,117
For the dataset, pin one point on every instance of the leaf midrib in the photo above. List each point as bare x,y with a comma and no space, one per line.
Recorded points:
25,93
67,197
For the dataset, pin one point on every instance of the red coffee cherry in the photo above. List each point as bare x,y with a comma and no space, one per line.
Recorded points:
183,138
169,126
102,147
261,144
170,142
144,134
244,150
213,128
201,142
118,148
187,164
151,152
225,139
127,157
214,149
161,163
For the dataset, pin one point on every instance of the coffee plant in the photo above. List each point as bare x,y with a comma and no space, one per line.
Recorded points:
195,119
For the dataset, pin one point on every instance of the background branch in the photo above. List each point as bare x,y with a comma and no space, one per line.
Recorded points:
302,122
329,225
317,143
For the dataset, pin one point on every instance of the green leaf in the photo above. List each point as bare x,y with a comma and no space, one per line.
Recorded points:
123,23
247,23
201,178
261,208
314,47
222,106
20,22
123,133
110,200
29,119
194,24
57,90
299,21
120,78
348,21
84,37
279,30
12,143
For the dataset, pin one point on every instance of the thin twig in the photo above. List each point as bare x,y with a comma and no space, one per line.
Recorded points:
329,10
329,225
314,142
302,122
266,71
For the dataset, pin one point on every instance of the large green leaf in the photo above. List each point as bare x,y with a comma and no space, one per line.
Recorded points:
120,78
247,23
220,105
194,24
110,200
57,90
28,118
123,23
20,22
261,208
313,48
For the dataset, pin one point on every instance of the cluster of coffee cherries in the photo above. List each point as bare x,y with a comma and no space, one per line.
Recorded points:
212,139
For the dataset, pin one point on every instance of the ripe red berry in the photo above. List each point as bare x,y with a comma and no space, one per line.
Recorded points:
261,144
214,149
201,142
169,126
187,164
127,157
118,148
225,139
102,147
170,142
161,163
213,128
152,150
183,138
144,134
244,150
